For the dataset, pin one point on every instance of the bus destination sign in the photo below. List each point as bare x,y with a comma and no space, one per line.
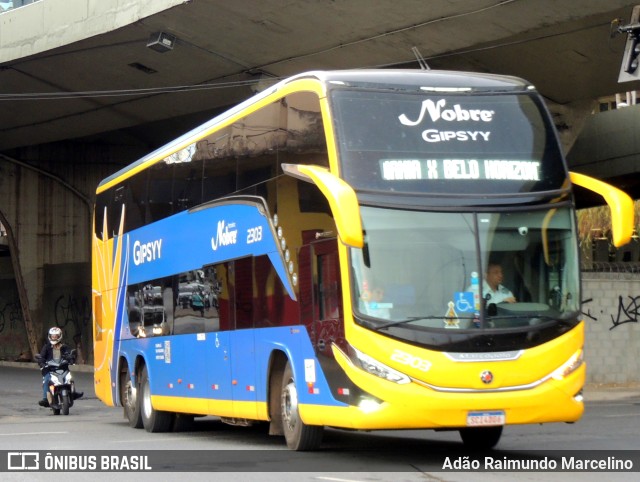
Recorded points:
459,169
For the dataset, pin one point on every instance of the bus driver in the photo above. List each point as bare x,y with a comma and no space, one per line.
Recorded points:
492,289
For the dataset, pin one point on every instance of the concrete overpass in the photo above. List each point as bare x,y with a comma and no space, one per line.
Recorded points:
87,86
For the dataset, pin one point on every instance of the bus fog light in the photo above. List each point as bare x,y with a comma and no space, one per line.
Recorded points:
368,406
579,397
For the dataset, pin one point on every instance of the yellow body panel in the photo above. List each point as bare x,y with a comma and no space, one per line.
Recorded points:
456,388
206,406
417,407
620,203
106,271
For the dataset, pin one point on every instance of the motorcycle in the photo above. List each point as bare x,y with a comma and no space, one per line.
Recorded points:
61,391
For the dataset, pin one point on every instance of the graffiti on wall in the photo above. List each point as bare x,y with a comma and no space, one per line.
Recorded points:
628,311
10,315
13,337
73,314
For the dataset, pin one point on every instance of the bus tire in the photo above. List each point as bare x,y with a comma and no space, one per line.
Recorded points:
182,422
299,436
152,420
130,399
481,438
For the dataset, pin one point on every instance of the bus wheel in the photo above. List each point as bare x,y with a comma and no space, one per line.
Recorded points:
182,422
130,400
152,420
298,435
481,438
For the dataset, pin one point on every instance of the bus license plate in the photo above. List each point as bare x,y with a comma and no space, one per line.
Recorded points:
485,419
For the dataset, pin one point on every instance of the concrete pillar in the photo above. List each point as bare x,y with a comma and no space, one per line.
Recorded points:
48,224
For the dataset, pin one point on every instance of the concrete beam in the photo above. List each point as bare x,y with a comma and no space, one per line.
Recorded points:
50,24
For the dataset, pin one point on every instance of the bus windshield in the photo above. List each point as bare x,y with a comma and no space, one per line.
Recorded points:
429,270
443,143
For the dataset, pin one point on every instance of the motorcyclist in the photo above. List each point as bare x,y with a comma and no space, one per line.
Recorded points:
54,349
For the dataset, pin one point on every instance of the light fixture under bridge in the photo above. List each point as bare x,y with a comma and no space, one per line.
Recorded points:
161,42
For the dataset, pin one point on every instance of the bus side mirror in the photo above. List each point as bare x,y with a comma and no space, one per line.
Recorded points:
619,202
342,200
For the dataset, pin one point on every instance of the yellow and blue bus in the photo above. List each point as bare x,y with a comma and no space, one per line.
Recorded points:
316,256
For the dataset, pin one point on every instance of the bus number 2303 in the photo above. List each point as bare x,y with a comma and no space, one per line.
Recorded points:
254,234
413,361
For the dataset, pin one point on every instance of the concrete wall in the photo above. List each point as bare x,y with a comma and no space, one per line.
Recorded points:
13,337
48,207
611,305
67,304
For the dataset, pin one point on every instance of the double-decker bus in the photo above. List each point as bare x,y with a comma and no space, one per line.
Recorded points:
316,256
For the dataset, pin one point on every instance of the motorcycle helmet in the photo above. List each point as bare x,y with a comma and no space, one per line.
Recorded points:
55,335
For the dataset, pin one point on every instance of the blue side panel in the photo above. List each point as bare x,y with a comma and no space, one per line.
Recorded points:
192,239
188,241
218,365
230,365
179,367
294,341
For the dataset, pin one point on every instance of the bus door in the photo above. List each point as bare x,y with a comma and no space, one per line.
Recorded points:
242,341
328,318
218,358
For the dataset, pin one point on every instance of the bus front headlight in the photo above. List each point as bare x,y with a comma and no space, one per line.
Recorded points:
571,365
373,366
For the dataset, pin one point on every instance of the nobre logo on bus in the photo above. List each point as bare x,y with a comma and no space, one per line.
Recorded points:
436,112
145,252
227,234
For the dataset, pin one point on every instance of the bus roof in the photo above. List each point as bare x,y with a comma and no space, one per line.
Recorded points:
417,79
397,79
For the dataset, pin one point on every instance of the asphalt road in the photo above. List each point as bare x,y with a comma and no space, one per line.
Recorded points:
612,424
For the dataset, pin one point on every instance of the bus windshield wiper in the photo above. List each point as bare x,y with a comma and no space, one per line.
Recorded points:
520,317
418,318
440,317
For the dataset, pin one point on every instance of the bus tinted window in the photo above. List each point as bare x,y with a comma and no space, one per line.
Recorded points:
136,201
187,184
160,202
240,158
444,143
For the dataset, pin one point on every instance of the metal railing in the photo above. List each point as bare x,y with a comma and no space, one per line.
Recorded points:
610,267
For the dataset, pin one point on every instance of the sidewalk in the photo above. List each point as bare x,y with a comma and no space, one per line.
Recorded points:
593,392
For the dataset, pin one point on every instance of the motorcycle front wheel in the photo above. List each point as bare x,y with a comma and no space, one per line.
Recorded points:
65,403
55,400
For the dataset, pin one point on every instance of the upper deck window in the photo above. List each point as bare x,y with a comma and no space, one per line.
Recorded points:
446,142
